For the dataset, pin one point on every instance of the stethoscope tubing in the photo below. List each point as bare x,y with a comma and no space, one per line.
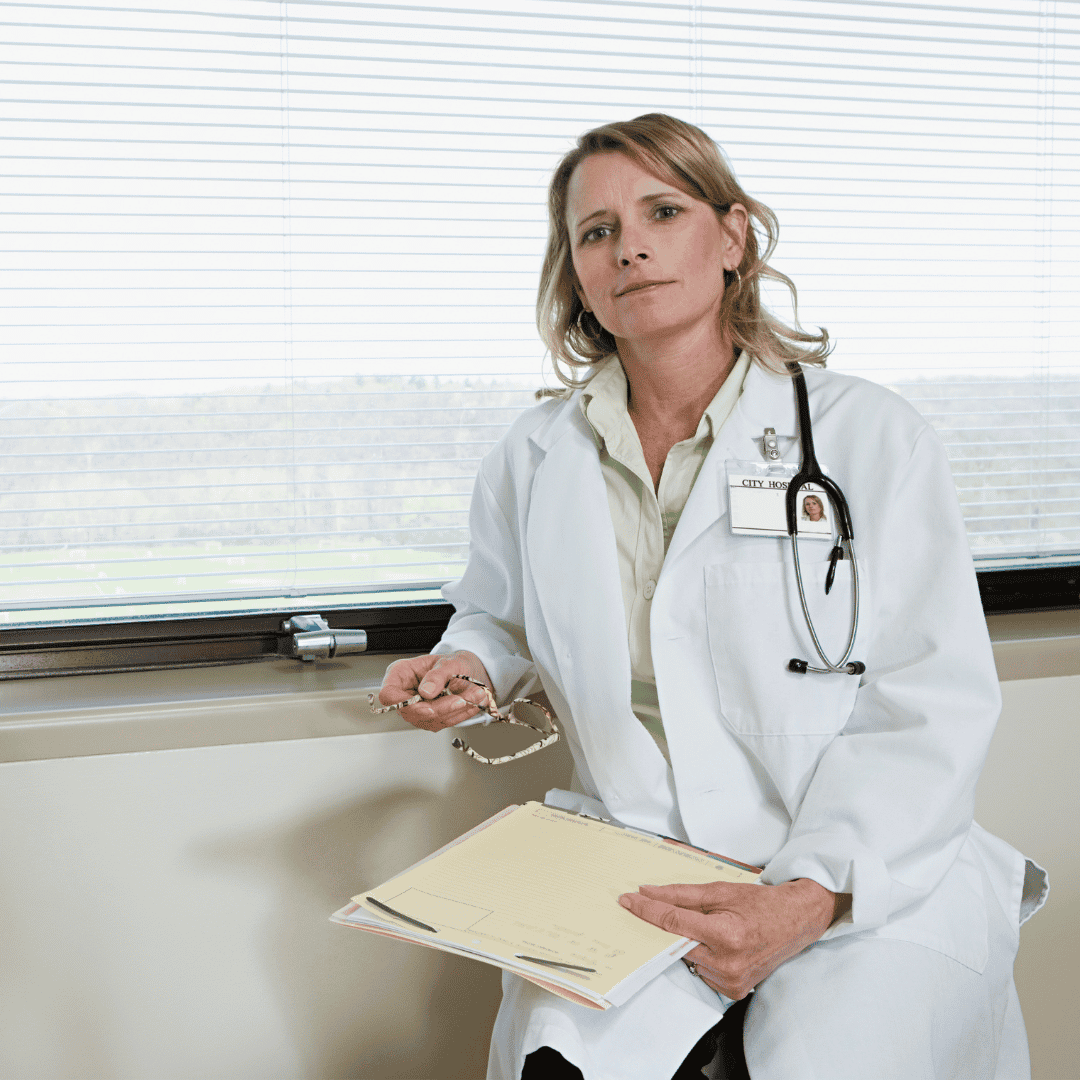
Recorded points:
810,472
841,667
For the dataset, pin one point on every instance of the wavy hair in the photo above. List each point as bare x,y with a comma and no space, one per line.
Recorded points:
685,157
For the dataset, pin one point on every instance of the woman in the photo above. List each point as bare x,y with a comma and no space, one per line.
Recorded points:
812,509
603,567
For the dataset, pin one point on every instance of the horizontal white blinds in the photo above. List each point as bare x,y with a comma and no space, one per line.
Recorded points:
267,269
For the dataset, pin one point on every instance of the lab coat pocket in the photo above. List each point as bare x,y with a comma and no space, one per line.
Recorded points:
756,625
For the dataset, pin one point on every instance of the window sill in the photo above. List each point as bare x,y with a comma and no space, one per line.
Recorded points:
135,712
1036,644
283,699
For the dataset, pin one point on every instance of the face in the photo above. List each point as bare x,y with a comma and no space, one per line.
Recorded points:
814,510
649,259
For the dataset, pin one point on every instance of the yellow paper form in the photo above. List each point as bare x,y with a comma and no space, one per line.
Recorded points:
542,883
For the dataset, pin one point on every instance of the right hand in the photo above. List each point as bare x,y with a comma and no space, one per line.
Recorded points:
430,676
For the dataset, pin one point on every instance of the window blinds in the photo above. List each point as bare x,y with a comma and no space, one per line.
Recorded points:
267,270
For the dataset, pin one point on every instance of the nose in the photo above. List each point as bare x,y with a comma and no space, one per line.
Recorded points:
633,248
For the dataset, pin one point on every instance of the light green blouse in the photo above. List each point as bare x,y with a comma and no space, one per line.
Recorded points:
645,520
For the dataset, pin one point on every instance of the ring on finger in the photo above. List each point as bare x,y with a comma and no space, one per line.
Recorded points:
692,966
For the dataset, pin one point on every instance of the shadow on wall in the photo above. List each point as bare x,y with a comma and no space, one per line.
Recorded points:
361,1005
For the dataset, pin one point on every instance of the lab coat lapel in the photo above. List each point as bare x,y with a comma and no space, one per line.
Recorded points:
571,545
767,400
573,563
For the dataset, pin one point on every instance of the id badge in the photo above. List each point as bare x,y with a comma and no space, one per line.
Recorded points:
757,501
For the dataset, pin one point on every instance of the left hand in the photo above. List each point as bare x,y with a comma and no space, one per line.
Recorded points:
746,931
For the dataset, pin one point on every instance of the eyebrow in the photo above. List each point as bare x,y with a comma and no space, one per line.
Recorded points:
645,199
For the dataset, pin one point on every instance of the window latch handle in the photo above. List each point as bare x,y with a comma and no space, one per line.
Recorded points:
312,638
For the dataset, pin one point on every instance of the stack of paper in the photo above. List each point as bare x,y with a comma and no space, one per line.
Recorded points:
535,890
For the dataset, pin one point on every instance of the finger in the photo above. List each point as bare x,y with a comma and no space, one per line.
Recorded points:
445,671
675,920
694,897
480,696
713,981
402,677
701,956
442,713
713,977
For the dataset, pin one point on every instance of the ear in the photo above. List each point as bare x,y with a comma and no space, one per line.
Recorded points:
581,296
734,225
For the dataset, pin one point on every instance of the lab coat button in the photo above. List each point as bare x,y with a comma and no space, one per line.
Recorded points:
650,588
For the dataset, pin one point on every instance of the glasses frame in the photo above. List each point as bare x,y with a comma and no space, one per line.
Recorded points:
491,709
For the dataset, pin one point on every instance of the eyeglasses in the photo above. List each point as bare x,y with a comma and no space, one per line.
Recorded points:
513,715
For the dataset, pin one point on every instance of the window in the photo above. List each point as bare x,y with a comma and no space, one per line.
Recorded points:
267,270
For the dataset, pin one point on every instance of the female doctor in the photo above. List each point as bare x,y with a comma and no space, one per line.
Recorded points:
604,569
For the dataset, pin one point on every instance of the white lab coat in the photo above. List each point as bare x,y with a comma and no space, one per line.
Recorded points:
864,784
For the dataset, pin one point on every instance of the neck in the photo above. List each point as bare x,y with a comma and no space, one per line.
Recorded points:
672,383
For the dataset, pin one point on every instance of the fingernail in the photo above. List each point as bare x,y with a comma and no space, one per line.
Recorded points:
424,711
426,687
625,899
461,703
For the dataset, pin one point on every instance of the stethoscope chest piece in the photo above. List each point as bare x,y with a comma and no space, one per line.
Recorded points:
801,667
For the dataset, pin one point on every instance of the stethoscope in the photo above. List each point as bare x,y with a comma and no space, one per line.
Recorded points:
810,473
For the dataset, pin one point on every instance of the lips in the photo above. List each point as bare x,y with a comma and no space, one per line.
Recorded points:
638,286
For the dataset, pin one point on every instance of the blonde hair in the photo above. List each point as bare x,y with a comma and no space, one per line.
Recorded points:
684,156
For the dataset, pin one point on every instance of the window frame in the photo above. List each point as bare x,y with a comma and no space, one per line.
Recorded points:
206,641
401,627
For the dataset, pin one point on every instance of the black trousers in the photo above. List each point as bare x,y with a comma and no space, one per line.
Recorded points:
548,1064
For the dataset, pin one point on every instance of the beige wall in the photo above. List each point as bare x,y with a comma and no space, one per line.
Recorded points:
172,845
1028,795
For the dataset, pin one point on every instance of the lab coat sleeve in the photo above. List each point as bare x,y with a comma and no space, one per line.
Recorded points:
489,616
891,801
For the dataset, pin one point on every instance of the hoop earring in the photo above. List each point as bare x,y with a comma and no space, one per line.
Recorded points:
584,330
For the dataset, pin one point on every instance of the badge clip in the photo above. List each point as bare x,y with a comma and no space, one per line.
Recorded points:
771,449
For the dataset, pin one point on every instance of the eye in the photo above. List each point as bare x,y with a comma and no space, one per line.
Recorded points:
667,211
596,234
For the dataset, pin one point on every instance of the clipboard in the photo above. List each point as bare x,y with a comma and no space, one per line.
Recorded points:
534,890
